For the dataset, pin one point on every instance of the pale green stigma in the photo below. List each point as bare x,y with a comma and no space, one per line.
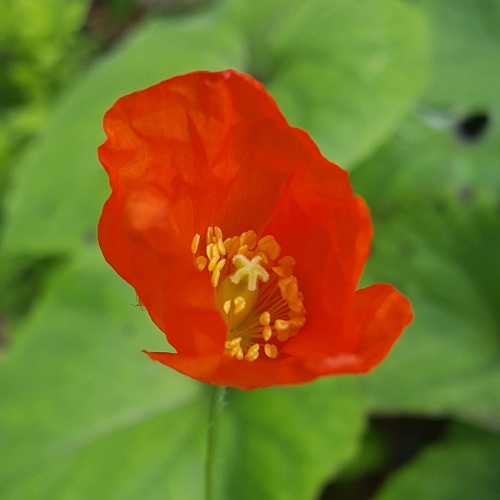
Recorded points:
249,271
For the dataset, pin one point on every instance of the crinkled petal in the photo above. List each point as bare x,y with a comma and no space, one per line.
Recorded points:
381,313
328,231
209,149
215,144
137,240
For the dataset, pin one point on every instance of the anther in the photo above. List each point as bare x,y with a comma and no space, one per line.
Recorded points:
265,318
282,336
229,344
297,307
292,292
243,249
220,246
210,234
297,322
215,252
279,271
195,243
271,351
215,277
286,281
239,304
218,233
227,306
201,262
228,242
267,333
287,262
252,353
220,265
281,324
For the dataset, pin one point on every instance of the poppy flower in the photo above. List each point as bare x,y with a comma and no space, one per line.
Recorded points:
243,243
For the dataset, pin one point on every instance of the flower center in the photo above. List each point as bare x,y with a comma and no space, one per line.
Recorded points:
255,292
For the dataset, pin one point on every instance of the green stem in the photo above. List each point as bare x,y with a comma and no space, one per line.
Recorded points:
214,414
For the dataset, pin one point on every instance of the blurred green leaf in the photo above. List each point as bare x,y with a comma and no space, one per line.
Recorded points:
345,71
286,442
435,198
464,467
350,96
465,43
84,411
40,45
447,260
60,189
428,159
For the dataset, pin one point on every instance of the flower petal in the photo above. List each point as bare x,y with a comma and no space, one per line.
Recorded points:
328,231
226,371
209,149
216,144
139,243
380,314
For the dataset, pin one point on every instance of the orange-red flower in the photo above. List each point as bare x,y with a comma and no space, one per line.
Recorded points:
244,243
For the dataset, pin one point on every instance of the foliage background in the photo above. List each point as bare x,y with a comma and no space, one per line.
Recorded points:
405,94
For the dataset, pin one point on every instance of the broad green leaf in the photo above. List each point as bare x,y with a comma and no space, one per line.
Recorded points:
60,189
287,442
85,413
367,71
465,43
83,410
434,198
464,467
447,260
427,159
345,71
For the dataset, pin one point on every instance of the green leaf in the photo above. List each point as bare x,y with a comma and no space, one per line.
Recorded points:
367,71
428,159
447,260
345,71
287,442
465,42
463,467
84,411
61,187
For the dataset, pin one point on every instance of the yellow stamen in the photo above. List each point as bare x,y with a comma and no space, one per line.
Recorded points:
252,284
267,333
201,262
220,246
281,324
215,278
282,336
265,318
210,234
239,304
271,351
252,353
195,243
233,343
